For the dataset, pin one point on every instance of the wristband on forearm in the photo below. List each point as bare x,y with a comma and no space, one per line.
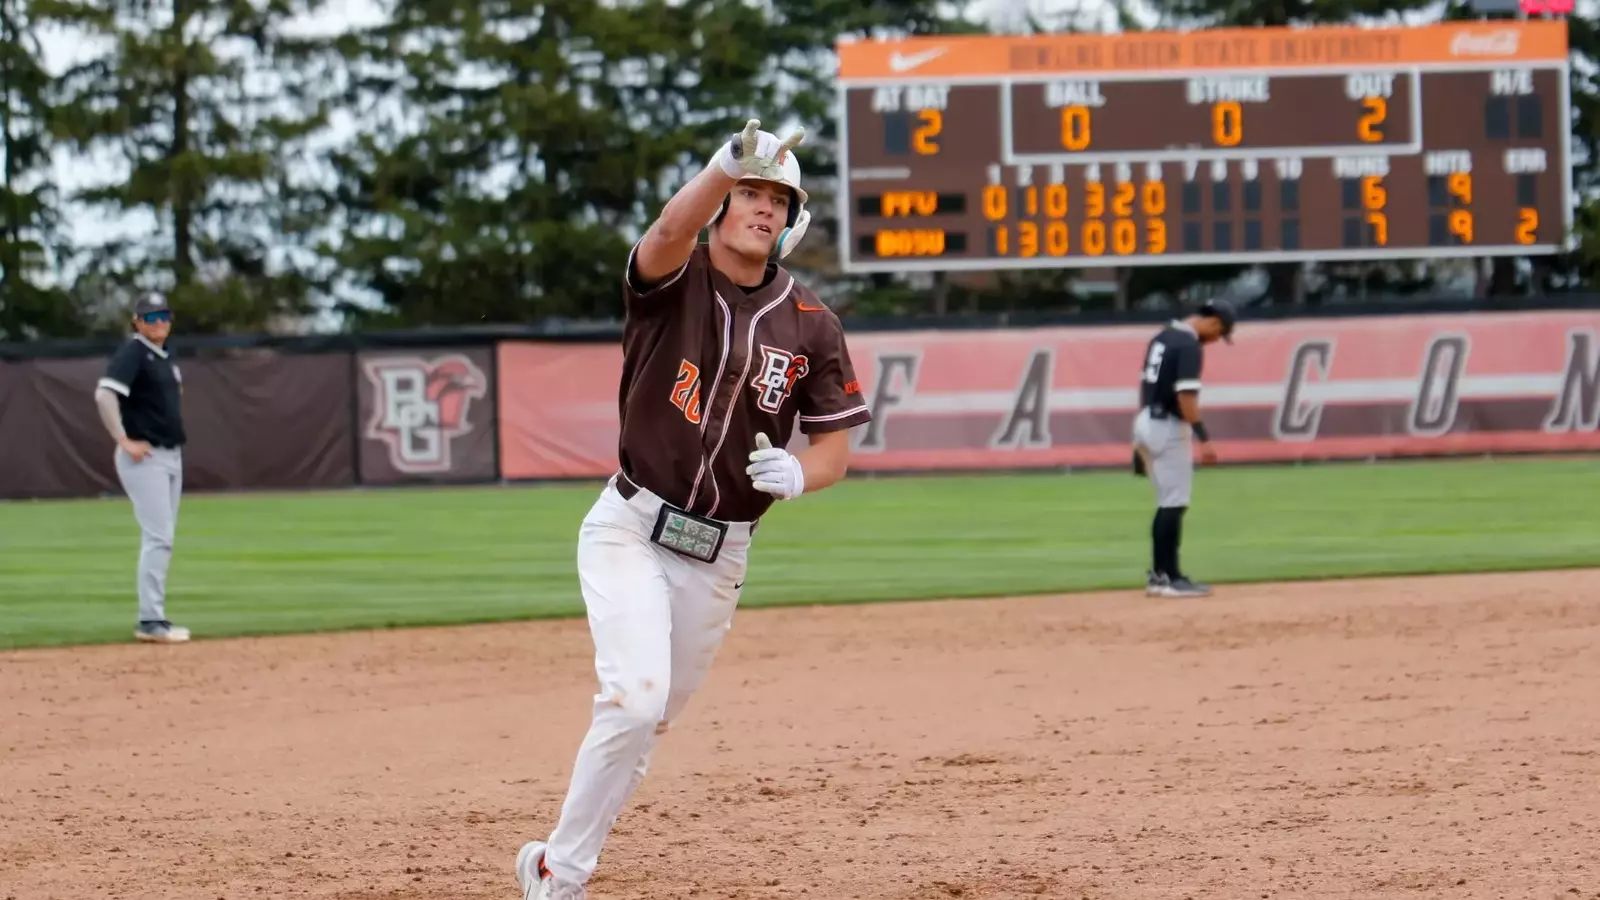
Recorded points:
1200,431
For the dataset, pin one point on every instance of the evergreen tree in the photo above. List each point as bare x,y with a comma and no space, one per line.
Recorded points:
207,104
30,235
1581,268
523,144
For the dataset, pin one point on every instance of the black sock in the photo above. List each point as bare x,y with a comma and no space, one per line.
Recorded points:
1175,541
1158,551
1166,533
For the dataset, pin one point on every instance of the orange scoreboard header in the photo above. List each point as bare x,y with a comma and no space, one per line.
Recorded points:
981,56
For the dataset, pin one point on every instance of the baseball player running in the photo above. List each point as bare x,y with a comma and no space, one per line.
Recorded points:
722,351
140,403
1169,400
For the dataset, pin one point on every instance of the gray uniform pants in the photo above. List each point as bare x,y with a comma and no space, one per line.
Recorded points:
1168,457
153,485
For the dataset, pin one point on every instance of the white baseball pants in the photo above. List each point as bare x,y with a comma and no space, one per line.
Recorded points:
657,619
154,486
1169,457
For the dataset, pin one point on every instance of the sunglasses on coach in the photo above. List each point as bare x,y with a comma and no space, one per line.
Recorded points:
150,318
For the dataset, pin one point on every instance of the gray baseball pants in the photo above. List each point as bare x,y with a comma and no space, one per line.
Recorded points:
1168,457
154,485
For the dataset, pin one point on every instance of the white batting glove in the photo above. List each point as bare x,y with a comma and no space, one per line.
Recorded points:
775,470
756,152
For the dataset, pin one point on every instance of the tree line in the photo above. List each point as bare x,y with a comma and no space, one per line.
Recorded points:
482,162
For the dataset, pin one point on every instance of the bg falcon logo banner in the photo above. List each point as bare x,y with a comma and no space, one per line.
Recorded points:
421,409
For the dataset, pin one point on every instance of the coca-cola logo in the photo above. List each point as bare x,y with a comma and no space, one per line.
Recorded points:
1481,43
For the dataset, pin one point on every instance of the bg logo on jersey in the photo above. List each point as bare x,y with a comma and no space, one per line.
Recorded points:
420,406
780,369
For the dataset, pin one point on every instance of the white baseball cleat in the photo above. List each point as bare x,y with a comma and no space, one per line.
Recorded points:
535,880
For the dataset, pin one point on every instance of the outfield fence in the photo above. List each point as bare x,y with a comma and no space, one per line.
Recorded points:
469,407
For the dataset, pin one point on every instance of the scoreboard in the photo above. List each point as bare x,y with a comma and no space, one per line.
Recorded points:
1218,146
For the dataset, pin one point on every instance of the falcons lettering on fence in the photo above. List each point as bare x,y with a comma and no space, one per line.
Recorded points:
1307,389
420,406
1293,390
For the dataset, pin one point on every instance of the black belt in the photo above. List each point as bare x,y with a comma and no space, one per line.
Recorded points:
628,489
1157,411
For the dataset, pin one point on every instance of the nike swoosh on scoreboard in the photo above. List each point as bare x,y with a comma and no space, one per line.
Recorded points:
900,62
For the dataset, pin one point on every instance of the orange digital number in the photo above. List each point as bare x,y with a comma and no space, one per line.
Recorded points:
1124,237
1155,198
1075,127
1373,195
686,391
1028,239
994,202
1461,185
1461,225
1055,238
1377,109
1032,200
925,137
1380,227
1055,201
1002,240
1122,203
1527,225
1094,238
1155,235
1095,206
1227,123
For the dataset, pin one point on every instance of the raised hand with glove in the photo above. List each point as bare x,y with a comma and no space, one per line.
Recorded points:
756,153
752,154
775,470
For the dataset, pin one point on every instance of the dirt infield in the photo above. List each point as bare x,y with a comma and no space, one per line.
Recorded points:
1400,738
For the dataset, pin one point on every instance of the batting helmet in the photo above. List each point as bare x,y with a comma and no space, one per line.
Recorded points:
799,218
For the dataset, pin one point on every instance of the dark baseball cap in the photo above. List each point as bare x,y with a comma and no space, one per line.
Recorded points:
150,303
1224,312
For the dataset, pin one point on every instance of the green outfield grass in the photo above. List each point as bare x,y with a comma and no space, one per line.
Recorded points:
254,564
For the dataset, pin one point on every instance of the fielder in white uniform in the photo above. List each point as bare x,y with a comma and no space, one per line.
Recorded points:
722,352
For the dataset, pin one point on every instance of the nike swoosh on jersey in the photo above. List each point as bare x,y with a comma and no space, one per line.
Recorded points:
805,307
901,62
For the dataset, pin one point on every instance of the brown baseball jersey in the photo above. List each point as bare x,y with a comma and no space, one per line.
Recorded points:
707,364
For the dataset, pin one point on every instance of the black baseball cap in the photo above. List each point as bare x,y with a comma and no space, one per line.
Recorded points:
150,303
1224,312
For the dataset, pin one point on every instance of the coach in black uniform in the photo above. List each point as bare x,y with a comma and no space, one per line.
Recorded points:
1169,411
140,402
